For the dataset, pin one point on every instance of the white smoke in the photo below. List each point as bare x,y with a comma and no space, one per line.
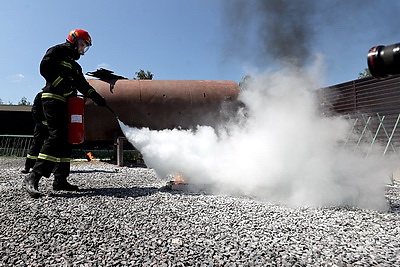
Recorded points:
283,150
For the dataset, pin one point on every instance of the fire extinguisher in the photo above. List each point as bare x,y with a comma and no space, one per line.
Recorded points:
75,120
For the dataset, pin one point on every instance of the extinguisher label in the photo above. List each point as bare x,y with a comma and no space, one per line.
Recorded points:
76,118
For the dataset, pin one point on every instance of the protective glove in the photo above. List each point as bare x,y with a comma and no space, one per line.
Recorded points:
98,99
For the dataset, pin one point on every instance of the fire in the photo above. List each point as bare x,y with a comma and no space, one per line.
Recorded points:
178,179
89,156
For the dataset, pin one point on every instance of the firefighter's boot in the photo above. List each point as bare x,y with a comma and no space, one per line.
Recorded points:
31,184
61,183
29,163
25,170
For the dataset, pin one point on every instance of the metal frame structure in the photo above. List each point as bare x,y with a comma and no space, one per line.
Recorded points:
15,145
373,105
368,129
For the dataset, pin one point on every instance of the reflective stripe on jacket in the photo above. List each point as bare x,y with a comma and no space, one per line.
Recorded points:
54,96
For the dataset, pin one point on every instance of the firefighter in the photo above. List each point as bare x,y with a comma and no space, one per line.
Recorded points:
39,133
63,77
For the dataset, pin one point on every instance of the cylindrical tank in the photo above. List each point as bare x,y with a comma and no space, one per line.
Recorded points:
75,120
384,61
158,104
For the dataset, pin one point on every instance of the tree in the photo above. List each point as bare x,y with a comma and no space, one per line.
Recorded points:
243,84
366,73
1,101
24,102
143,75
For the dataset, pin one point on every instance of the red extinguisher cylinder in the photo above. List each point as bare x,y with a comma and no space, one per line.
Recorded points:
75,120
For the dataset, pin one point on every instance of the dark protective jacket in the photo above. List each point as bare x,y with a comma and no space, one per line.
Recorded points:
62,73
64,78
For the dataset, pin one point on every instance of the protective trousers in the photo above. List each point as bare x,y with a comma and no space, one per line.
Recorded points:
55,154
40,134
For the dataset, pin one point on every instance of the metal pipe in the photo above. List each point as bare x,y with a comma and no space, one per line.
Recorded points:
158,104
120,151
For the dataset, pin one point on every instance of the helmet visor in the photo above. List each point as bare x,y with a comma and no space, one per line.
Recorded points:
83,46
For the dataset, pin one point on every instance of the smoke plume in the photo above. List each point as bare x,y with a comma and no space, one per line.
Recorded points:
283,30
266,32
282,151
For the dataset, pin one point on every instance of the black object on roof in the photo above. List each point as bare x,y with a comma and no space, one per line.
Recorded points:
105,75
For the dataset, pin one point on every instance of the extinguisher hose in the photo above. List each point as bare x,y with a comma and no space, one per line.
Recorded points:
112,111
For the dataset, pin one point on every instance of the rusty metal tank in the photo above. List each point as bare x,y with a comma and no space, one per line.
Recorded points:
158,104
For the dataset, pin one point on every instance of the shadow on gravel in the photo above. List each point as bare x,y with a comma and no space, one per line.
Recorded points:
394,208
109,192
121,192
92,171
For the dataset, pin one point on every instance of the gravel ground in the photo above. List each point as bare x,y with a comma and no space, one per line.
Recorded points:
126,217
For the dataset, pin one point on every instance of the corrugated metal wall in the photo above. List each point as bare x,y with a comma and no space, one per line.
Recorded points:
373,104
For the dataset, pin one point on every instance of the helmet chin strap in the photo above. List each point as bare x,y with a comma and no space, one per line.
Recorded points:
76,54
74,47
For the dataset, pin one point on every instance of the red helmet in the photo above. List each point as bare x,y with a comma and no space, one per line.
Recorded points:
78,34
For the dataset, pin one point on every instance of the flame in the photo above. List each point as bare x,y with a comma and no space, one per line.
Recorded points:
89,156
178,179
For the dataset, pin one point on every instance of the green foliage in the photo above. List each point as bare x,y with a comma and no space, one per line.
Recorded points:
143,75
364,74
24,102
245,81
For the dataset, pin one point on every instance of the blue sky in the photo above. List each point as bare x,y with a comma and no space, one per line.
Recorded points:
174,39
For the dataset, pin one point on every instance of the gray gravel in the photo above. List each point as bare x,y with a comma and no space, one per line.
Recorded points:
125,217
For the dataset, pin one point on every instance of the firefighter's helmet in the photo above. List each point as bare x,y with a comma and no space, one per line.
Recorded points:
77,34
81,39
